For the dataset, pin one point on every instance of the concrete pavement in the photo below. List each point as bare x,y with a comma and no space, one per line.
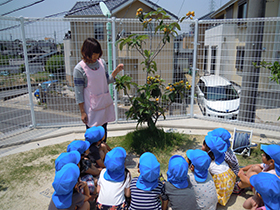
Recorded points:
53,135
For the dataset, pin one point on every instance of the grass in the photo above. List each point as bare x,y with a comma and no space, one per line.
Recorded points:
26,166
255,157
158,142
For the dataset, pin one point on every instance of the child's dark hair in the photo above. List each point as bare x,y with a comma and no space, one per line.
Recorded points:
190,162
266,156
211,154
127,173
89,47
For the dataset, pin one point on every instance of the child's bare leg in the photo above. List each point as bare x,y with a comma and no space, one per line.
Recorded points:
245,181
85,206
255,169
253,202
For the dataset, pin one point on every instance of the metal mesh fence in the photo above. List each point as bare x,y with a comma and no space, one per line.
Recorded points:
232,51
38,57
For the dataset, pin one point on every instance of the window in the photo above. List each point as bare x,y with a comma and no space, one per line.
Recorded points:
242,9
229,12
239,63
98,31
221,93
205,58
221,17
213,59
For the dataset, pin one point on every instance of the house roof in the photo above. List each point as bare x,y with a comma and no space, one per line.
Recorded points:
222,8
91,8
206,17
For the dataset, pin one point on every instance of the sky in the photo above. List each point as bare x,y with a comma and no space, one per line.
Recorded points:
43,8
49,7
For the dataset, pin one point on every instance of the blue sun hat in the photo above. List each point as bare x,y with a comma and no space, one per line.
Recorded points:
268,186
78,145
67,157
114,162
218,146
223,133
94,134
177,173
273,150
63,184
201,162
149,172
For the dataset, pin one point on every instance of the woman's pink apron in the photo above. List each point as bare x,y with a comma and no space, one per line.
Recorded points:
98,103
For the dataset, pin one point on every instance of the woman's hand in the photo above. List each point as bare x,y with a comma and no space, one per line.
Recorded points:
117,70
119,67
84,117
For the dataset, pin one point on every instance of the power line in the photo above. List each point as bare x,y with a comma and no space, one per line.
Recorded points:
5,2
29,5
181,8
48,16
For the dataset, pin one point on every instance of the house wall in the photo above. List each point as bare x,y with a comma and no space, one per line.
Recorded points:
82,29
214,38
236,36
271,10
130,11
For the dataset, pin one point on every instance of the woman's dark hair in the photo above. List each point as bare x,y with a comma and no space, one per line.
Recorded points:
210,153
89,47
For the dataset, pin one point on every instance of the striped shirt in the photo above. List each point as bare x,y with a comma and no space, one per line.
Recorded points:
232,161
149,200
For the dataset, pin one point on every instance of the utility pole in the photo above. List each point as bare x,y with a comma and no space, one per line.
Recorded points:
212,6
253,52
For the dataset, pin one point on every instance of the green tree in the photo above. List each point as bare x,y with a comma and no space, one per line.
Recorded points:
153,99
55,63
274,69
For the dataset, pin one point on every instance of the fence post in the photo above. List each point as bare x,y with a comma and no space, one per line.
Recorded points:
195,44
27,73
115,64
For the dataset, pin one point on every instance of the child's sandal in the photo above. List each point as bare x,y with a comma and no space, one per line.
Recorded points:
237,190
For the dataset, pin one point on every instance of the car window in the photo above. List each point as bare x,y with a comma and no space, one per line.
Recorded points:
221,93
201,85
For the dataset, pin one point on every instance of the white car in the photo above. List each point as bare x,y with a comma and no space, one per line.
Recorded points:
217,97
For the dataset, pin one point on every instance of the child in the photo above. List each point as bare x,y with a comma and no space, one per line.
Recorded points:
267,192
67,190
271,164
230,157
97,150
114,181
67,157
87,169
147,190
202,181
178,188
223,176
78,145
91,81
